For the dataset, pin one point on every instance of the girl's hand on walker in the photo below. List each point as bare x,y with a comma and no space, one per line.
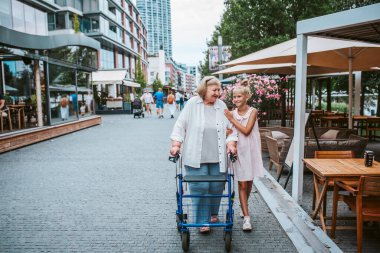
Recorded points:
228,114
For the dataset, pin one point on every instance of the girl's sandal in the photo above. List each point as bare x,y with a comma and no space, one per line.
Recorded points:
204,230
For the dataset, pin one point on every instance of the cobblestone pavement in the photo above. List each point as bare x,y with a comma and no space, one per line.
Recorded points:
109,188
344,239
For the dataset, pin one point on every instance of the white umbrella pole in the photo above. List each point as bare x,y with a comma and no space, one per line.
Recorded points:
350,89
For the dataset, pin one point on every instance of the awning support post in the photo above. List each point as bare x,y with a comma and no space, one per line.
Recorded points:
299,117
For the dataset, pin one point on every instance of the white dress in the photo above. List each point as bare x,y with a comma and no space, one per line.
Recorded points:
250,162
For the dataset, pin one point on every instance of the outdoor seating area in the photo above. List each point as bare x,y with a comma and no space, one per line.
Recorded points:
17,117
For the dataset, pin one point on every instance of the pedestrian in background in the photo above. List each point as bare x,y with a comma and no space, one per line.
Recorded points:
181,102
249,163
64,103
148,100
159,96
201,132
171,105
177,99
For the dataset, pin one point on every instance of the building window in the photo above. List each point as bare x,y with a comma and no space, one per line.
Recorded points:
5,13
120,60
18,16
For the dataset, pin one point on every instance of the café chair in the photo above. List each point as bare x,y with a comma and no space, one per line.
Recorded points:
5,115
277,149
334,154
19,116
373,125
363,199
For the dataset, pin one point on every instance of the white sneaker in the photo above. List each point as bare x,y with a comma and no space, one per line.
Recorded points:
247,224
241,214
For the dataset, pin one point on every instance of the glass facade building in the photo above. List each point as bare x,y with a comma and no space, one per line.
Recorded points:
156,15
39,69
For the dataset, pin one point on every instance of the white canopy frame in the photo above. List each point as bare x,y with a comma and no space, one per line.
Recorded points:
337,25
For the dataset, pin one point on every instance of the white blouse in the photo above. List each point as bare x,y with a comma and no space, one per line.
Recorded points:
189,129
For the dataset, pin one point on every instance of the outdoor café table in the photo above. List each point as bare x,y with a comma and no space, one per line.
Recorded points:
331,119
360,122
336,169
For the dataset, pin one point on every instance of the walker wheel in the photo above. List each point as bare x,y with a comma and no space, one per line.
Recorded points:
185,236
227,240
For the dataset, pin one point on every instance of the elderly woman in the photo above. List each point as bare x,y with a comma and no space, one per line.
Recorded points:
201,132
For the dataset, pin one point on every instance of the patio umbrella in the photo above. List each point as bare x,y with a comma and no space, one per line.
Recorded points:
281,68
10,88
324,52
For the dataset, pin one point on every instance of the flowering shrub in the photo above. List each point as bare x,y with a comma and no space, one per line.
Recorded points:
266,93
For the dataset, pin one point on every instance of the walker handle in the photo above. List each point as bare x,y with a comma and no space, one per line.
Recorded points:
175,158
233,157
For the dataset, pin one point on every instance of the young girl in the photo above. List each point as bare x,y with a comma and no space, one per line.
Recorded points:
249,163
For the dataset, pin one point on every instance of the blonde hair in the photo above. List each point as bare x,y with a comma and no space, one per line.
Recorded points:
243,89
205,82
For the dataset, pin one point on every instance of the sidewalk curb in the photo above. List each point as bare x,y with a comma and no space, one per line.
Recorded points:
296,223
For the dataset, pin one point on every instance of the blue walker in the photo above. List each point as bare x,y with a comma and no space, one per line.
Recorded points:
185,218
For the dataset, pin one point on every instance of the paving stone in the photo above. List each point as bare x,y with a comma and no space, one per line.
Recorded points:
110,188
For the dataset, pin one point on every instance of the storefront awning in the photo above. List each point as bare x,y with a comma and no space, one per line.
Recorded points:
131,84
112,77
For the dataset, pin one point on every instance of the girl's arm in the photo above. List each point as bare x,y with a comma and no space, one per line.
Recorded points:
246,130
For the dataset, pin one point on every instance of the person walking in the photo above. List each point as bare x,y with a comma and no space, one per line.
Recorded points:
171,105
64,103
181,102
148,100
159,96
249,163
200,131
177,99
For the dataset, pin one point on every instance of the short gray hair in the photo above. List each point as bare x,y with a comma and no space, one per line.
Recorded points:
205,82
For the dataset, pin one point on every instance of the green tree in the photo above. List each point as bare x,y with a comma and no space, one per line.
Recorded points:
139,75
251,25
76,23
156,83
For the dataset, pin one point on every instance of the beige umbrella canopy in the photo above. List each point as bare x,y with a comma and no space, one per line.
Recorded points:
323,52
281,68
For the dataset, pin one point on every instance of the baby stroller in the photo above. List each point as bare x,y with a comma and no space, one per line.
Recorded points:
185,216
137,108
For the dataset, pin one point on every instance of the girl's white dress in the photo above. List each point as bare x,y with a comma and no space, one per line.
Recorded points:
250,162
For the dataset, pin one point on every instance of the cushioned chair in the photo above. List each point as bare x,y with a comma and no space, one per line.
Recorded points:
363,199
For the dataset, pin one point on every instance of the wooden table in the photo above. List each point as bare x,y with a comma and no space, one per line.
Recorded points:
333,119
336,169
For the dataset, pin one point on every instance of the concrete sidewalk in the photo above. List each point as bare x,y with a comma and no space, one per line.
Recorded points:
110,188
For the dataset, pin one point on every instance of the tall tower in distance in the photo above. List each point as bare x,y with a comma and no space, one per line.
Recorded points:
156,15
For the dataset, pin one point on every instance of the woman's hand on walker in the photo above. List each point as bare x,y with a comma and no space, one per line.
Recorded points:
228,114
174,150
